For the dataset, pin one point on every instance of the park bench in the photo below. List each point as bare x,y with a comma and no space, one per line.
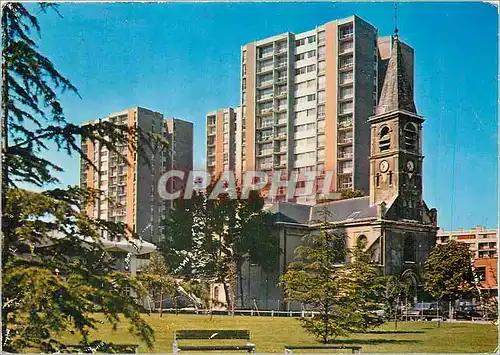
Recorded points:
211,335
85,349
289,348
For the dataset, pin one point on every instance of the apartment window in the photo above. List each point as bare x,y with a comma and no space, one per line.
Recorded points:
311,68
311,39
321,125
346,107
244,84
321,111
300,42
346,31
244,69
321,140
266,78
244,56
346,46
226,137
347,61
346,77
311,97
301,143
321,96
226,127
265,106
480,273
346,92
281,117
321,82
303,157
321,52
282,89
225,147
321,37
265,93
321,66
304,99
265,51
304,128
321,154
300,71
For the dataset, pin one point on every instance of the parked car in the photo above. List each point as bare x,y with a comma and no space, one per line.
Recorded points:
427,311
467,313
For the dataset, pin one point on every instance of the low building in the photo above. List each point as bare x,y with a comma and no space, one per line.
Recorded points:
483,244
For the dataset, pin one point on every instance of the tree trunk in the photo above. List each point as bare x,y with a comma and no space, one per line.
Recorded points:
240,281
161,304
228,296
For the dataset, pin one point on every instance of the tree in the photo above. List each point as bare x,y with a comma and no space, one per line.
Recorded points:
211,238
391,293
342,294
54,267
344,194
157,281
448,272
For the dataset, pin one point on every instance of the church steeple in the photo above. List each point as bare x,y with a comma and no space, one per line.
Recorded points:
397,92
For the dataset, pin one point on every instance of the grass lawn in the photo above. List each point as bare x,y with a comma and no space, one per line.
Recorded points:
271,333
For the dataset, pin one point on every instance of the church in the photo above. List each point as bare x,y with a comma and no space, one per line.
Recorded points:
393,221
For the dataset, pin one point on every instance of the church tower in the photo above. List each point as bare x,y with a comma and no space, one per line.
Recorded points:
396,143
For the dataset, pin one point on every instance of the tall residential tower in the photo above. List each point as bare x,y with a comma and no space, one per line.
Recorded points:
306,99
133,183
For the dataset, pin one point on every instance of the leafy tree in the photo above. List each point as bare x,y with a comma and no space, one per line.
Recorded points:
213,237
157,281
343,294
448,272
54,267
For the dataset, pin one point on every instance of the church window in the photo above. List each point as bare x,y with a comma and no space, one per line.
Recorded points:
409,250
410,137
384,139
390,177
216,293
377,180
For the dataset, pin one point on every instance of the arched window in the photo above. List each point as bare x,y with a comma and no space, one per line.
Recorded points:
362,241
216,293
410,137
409,249
384,142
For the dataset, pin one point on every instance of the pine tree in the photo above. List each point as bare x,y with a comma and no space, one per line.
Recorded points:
55,270
343,294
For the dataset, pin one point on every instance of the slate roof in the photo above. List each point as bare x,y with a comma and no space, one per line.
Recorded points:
397,93
343,210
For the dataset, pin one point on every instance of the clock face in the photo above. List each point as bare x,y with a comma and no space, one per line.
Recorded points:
410,165
384,166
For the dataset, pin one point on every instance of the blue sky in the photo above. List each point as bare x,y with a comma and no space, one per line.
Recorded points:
183,60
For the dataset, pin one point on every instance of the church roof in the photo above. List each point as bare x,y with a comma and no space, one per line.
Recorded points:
397,92
342,210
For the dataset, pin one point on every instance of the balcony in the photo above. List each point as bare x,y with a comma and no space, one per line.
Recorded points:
280,165
265,84
281,49
281,80
345,141
343,125
346,66
264,153
265,111
266,167
265,69
265,125
265,139
281,95
266,55
266,97
281,108
281,122
280,152
345,171
345,156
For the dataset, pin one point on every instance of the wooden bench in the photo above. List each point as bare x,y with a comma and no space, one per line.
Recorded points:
212,335
86,349
289,348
